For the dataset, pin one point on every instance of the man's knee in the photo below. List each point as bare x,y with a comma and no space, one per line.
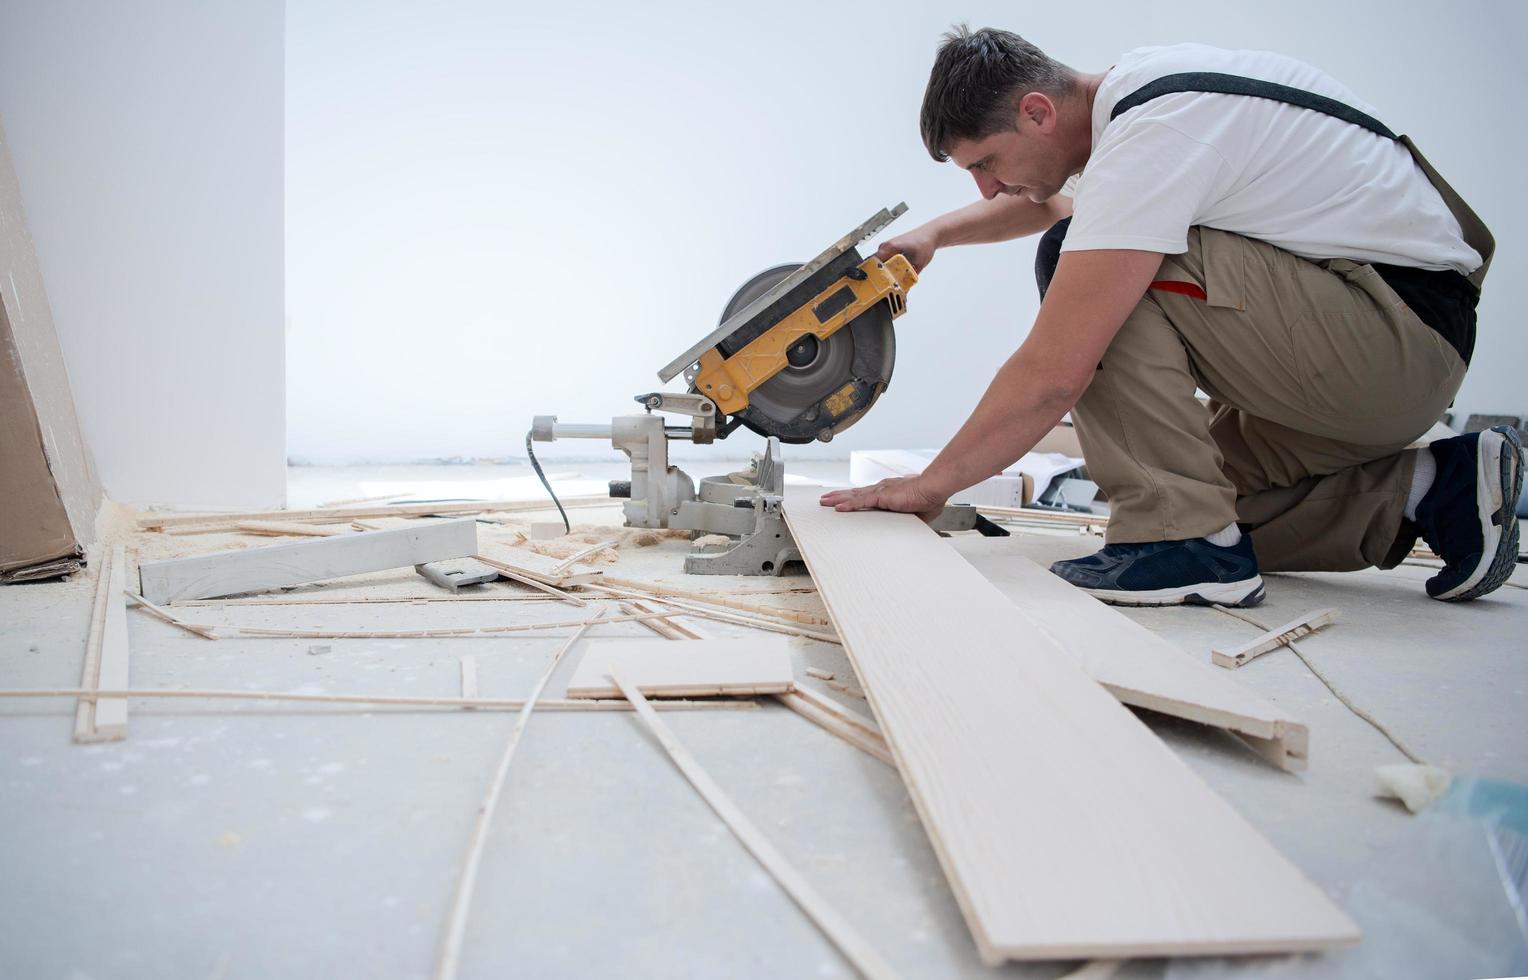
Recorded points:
1048,253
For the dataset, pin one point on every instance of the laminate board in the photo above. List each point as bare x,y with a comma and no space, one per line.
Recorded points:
686,668
300,562
1066,828
1134,664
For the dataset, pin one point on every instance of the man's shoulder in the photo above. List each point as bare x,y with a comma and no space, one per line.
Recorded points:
1141,66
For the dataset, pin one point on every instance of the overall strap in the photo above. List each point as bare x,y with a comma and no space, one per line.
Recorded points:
1476,234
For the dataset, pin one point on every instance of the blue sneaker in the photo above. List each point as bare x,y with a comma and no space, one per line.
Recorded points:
1168,573
1469,516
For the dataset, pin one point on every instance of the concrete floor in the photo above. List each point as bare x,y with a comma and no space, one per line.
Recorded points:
230,839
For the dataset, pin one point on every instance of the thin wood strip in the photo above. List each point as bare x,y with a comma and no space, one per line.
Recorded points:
365,500
665,628
845,689
574,559
292,528
546,704
362,600
102,719
338,514
822,675
664,591
515,576
834,724
833,925
722,616
548,571
848,717
446,633
197,629
698,668
1245,653
84,712
461,903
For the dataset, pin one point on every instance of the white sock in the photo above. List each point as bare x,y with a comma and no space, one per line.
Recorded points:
1226,537
1421,481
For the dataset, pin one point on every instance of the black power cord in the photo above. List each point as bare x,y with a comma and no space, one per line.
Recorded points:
537,467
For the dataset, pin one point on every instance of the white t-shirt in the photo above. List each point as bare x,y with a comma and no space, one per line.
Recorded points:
1299,179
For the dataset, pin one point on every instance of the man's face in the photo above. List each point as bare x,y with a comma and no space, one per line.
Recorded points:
1027,160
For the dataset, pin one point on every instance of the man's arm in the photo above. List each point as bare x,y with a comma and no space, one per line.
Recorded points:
1089,298
999,219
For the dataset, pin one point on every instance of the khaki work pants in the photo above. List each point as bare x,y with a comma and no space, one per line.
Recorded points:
1319,377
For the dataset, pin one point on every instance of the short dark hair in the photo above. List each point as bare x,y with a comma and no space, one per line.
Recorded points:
977,79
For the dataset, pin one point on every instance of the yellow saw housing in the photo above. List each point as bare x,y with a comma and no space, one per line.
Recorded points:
729,380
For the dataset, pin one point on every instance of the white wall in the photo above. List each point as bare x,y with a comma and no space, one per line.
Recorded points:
494,213
148,142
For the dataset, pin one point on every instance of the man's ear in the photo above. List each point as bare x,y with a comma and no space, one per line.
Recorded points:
1036,109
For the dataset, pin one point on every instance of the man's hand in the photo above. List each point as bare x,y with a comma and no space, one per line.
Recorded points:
903,494
919,245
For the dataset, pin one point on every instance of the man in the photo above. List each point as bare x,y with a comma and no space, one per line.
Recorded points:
1272,245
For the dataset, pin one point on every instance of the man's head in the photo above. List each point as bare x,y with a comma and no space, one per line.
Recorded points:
1004,111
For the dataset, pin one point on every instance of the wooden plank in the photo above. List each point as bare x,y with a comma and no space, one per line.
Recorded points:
834,722
299,562
333,515
541,568
689,668
833,925
1234,657
104,719
1066,828
461,903
1134,664
289,528
659,590
403,700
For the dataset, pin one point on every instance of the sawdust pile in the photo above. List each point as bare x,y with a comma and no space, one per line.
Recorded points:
583,538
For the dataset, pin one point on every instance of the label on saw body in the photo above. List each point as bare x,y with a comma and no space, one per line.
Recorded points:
840,401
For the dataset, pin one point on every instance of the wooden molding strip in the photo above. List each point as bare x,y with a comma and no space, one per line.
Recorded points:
101,718
1238,656
834,723
660,591
1134,664
461,903
693,668
546,704
833,925
720,615
300,562
334,515
528,565
1066,828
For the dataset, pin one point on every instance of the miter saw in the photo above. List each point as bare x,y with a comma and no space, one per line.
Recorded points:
801,354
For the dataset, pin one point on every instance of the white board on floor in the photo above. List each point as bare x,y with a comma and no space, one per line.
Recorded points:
300,562
1133,663
685,668
1066,828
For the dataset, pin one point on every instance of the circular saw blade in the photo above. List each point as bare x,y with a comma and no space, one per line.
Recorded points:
828,384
